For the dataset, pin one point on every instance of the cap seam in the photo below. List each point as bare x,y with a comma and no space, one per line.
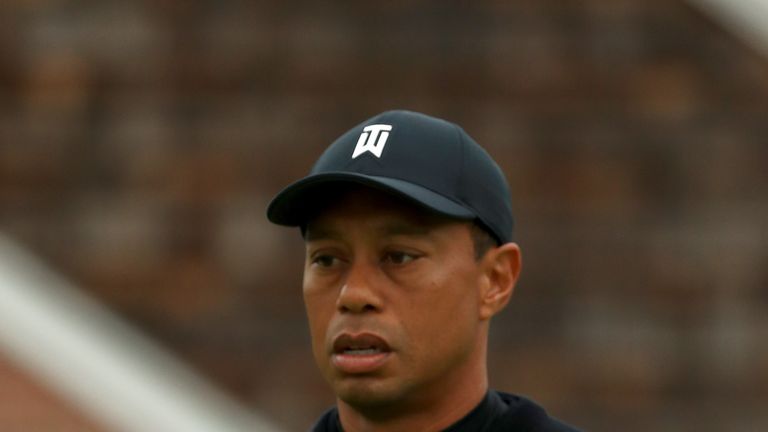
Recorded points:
460,178
479,216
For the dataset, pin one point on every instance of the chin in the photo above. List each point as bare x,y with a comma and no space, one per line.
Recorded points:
367,393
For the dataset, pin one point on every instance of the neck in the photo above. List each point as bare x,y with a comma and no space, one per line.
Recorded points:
433,409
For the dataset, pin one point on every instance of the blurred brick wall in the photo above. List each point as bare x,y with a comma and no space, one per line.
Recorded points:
140,143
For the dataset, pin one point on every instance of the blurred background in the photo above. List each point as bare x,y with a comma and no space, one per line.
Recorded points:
140,143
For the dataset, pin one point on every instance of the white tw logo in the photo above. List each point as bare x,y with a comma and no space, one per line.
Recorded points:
372,139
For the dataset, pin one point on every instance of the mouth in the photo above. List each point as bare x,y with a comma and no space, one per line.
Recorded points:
359,353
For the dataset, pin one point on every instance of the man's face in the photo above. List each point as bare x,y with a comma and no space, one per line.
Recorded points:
392,300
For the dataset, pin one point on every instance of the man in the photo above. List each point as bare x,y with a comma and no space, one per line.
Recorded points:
408,229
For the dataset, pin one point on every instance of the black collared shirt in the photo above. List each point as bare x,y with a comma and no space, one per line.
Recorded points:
496,412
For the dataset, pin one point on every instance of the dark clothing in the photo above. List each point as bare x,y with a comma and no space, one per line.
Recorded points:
497,412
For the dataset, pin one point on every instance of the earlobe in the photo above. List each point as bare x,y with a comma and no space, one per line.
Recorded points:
501,269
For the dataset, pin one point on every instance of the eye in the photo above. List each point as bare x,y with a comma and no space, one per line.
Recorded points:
325,260
399,257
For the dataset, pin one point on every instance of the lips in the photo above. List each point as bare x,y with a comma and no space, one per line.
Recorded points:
348,343
359,353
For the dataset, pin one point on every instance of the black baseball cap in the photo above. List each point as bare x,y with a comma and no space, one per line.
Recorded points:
429,161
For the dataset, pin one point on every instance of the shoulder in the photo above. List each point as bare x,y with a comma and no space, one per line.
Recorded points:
525,415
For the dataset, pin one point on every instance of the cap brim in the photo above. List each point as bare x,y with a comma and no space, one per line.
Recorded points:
300,200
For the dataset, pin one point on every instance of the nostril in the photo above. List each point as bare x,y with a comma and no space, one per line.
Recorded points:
354,309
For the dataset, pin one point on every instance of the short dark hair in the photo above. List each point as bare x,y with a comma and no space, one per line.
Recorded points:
482,239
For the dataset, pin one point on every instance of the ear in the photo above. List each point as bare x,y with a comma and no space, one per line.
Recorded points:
500,270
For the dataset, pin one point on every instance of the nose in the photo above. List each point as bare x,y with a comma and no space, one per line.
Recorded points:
359,294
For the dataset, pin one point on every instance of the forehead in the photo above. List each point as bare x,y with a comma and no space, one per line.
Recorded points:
379,210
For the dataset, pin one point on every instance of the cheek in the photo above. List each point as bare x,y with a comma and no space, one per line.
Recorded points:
444,312
319,294
452,291
319,305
